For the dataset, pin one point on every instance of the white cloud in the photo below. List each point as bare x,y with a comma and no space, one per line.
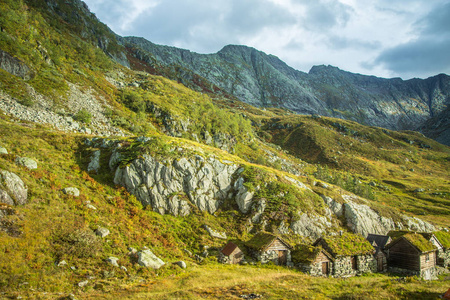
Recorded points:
350,34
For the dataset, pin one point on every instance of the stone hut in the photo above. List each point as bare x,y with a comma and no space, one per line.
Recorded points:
266,247
314,261
412,254
231,254
379,242
352,254
443,255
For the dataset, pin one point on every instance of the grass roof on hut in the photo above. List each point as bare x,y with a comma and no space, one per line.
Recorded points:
421,240
262,240
348,244
306,253
444,238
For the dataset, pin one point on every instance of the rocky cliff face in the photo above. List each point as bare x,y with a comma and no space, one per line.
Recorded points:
264,80
180,184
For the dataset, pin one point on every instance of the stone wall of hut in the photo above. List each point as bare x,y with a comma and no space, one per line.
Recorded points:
364,264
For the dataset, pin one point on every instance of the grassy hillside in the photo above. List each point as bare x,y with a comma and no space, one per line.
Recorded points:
397,172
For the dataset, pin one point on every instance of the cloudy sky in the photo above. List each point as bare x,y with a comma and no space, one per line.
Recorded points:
387,38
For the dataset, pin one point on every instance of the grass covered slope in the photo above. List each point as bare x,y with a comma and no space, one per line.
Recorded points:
404,170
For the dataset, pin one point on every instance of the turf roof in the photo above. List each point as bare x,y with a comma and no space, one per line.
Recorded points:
444,238
261,240
347,244
306,253
421,240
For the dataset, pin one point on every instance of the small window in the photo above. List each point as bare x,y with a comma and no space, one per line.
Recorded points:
427,257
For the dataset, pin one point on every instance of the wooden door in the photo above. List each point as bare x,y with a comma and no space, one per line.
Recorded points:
354,263
380,263
282,257
325,268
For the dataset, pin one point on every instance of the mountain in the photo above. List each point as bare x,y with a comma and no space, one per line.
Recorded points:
265,81
102,165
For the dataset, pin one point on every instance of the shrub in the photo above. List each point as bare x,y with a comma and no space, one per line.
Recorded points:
79,243
83,116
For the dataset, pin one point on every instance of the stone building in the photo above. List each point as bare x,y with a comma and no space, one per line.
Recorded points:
443,254
352,254
412,254
266,247
314,261
231,254
379,242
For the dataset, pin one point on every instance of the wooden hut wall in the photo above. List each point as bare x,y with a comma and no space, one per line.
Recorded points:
405,256
277,245
427,260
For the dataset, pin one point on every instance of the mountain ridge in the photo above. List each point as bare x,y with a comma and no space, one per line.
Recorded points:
264,80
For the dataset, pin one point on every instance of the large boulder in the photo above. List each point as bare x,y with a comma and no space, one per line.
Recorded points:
147,259
27,162
13,190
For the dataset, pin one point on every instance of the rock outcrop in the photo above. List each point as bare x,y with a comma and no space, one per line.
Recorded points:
173,185
13,190
312,226
14,66
362,219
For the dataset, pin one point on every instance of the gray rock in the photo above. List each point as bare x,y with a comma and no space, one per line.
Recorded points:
419,190
335,207
416,224
94,164
14,66
113,261
115,159
3,150
208,138
363,220
132,250
86,130
73,191
169,186
189,253
181,264
5,198
72,297
83,283
147,259
123,268
13,190
62,263
90,206
143,139
243,197
27,162
215,234
312,226
102,232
